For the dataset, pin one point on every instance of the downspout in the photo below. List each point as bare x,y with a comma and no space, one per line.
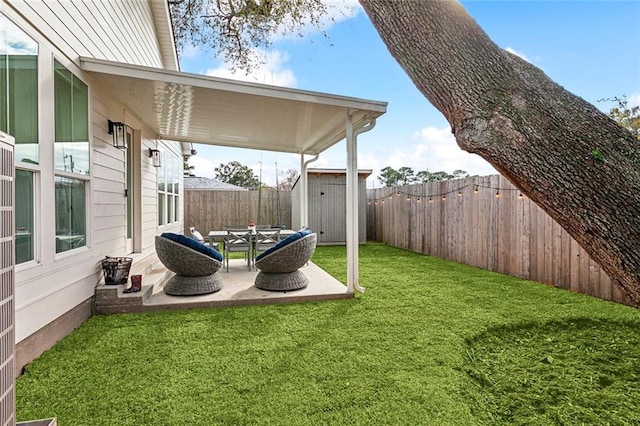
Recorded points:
353,198
304,190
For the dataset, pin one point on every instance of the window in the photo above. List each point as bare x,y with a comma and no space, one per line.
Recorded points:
19,90
72,124
176,185
169,183
71,158
162,193
168,188
24,208
19,117
70,213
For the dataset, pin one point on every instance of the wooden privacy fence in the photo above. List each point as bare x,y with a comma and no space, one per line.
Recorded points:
213,210
485,222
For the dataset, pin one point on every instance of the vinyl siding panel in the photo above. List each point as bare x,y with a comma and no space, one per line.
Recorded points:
71,278
117,30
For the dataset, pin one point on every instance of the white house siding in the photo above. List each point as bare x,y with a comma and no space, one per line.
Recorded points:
64,281
117,30
57,284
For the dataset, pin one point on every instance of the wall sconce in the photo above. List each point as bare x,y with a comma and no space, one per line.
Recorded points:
156,160
119,136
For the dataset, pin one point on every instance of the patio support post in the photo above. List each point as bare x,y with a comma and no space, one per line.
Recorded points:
352,208
353,201
304,198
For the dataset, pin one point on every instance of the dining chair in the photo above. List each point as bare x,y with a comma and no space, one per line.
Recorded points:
264,239
238,241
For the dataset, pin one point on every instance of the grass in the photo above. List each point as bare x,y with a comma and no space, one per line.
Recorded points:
429,342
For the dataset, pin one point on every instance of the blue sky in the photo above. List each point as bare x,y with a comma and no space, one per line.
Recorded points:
592,48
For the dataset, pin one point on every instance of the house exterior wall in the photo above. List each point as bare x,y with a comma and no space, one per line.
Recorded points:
117,30
54,284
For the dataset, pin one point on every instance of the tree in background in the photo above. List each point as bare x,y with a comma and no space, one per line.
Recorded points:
427,176
573,161
391,177
287,179
627,116
185,164
234,28
237,174
406,176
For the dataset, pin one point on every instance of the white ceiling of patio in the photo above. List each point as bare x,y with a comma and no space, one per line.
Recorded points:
200,109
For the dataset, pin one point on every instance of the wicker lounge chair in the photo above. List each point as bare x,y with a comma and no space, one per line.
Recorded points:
196,269
279,266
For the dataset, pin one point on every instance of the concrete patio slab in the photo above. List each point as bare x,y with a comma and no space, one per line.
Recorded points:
237,289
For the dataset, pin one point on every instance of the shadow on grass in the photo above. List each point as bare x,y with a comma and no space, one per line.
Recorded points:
576,371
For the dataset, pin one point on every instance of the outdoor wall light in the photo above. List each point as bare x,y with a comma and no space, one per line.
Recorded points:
156,160
119,136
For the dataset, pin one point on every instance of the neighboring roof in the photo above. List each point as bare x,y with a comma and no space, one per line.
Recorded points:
201,109
361,172
192,182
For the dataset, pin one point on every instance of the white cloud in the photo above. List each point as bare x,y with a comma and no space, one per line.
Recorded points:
202,167
190,52
14,42
337,11
211,156
515,52
272,71
437,150
431,149
634,100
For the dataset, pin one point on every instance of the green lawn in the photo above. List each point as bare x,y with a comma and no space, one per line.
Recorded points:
430,342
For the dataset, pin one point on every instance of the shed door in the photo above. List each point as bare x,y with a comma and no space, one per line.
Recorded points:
333,213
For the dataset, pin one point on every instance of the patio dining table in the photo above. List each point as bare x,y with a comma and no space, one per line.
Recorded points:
220,235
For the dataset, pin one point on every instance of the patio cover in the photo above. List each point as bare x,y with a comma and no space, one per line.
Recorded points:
208,110
194,108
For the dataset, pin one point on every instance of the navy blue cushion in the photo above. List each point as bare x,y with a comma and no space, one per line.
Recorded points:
193,244
291,238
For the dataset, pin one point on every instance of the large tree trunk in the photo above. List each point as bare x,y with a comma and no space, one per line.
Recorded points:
538,135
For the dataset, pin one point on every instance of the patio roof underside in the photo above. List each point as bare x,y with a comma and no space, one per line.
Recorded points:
200,109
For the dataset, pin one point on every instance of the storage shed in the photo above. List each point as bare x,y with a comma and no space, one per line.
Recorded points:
327,197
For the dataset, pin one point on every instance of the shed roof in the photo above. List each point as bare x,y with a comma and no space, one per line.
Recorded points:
361,172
